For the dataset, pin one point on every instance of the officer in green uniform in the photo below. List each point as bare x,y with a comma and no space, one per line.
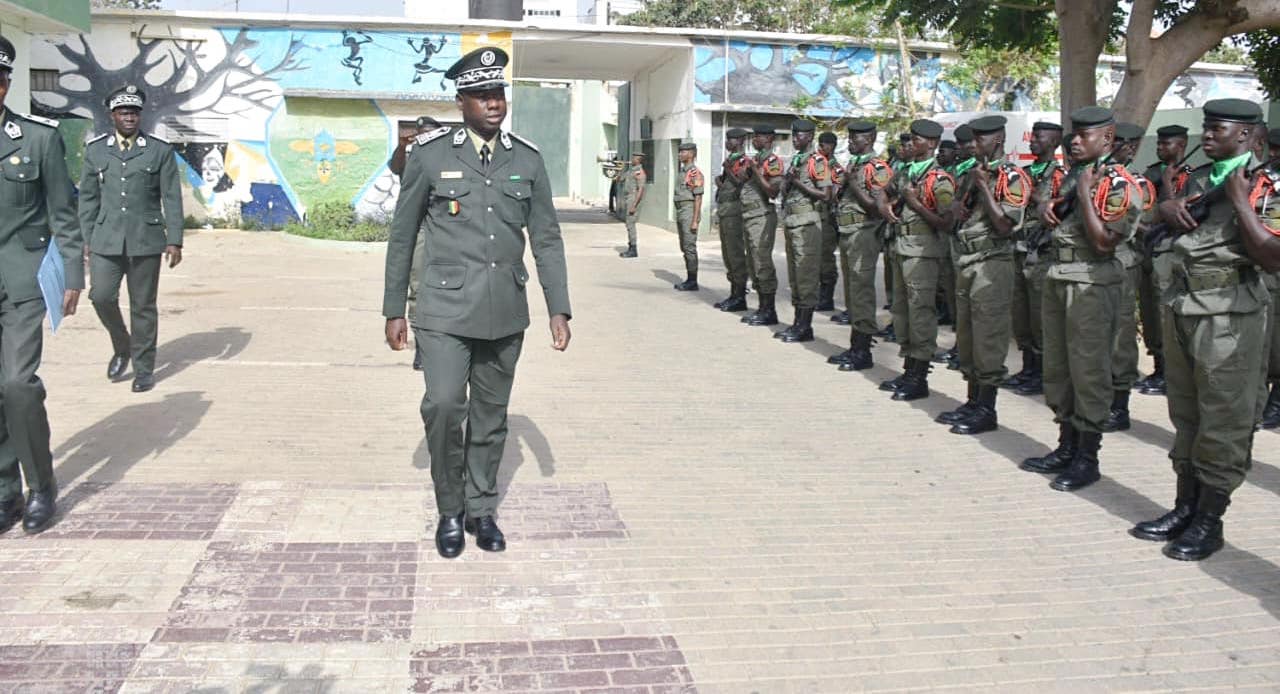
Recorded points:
1124,356
1030,258
687,196
130,214
860,220
473,190
760,218
965,158
829,274
38,202
1171,149
1082,295
922,193
424,124
733,240
1270,417
633,182
804,192
989,210
1214,326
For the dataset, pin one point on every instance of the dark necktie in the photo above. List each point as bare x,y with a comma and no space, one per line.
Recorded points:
484,155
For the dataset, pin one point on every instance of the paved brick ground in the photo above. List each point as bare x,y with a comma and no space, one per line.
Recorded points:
692,506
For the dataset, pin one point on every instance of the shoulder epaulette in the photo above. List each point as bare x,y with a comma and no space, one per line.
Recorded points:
37,119
157,138
96,138
525,142
436,134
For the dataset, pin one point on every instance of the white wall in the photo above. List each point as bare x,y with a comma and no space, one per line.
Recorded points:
19,98
437,10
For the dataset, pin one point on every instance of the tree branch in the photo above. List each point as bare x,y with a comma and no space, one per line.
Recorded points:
1138,37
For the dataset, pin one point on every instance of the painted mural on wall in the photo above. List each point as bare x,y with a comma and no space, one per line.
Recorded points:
239,104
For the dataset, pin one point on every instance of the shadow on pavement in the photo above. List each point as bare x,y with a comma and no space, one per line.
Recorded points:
1264,476
519,429
175,356
1247,573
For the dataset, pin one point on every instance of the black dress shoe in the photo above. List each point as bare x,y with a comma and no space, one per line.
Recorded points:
41,508
117,366
629,253
417,359
449,536
488,536
11,511
143,382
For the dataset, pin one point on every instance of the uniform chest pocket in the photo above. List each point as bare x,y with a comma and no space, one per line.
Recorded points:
451,201
21,183
515,201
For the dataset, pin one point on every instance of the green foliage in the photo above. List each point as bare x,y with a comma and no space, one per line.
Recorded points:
332,215
999,73
336,220
128,4
1264,55
803,16
1026,24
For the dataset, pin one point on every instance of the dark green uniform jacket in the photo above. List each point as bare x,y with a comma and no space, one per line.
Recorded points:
130,202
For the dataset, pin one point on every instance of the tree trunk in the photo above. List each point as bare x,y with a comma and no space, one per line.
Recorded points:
904,60
1082,33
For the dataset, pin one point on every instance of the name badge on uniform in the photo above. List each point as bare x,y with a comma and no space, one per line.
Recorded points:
450,174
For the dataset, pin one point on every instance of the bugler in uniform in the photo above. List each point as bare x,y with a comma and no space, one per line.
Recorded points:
633,181
473,190
130,213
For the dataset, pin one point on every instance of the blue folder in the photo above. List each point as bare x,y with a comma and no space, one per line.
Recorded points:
52,277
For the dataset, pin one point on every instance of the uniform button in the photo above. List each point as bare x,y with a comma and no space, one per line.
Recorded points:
493,265
490,237
21,175
122,179
122,194
488,182
122,209
443,282
489,209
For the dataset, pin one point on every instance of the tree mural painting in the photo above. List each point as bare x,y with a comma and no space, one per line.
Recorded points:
178,77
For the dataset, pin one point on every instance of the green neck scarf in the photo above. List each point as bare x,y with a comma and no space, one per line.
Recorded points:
799,158
1037,169
963,167
734,156
915,168
1224,168
857,159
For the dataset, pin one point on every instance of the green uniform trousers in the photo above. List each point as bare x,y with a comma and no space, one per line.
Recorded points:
983,294
804,263
24,424
1079,331
142,274
468,380
1124,355
830,246
415,273
631,227
915,318
947,278
1149,306
688,236
1020,306
733,248
888,275
1271,349
761,234
1209,362
859,251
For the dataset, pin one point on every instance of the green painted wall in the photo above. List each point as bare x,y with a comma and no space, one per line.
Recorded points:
541,115
73,13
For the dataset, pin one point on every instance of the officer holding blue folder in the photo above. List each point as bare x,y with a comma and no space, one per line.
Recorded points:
36,196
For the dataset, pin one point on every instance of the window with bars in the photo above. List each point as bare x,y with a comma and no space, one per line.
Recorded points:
44,80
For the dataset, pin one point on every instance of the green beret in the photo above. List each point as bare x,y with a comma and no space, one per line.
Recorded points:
687,146
763,129
963,134
1091,117
800,125
1129,131
1046,125
926,128
1273,137
735,133
1233,110
1171,131
862,126
947,144
988,124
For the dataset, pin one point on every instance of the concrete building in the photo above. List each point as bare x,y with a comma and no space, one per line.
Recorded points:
19,19
273,114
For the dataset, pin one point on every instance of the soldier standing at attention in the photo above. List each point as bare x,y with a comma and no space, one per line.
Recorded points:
993,197
137,171
1171,149
760,218
1031,258
925,192
733,240
633,180
804,195
947,154
965,160
1124,357
1082,295
37,197
1214,326
829,273
1270,417
424,124
475,189
860,218
688,203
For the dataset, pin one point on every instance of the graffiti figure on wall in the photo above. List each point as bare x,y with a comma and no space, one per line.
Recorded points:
324,149
424,66
353,40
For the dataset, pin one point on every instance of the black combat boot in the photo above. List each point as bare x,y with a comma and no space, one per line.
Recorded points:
1171,524
690,283
766,314
953,359
886,333
1034,385
1059,458
1028,363
845,356
892,384
1153,384
983,418
916,383
790,329
804,327
963,411
1203,536
1271,413
860,355
629,253
826,297
842,318
1083,470
1118,418
737,300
